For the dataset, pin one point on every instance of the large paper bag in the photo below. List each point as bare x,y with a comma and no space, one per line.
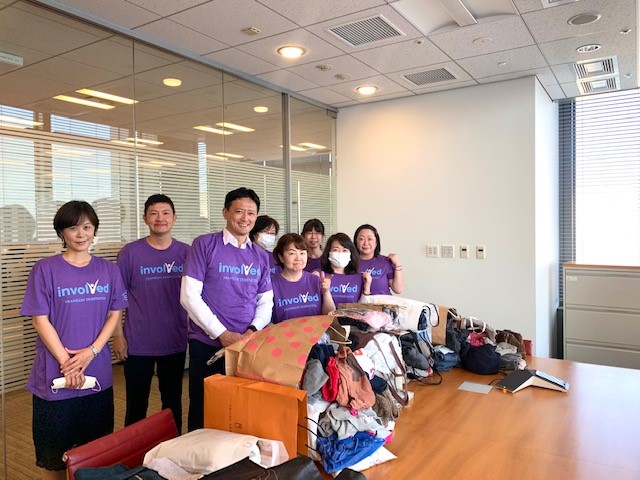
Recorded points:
256,408
278,354
439,330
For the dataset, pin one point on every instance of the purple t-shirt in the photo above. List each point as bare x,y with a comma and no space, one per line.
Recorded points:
313,264
296,299
156,323
232,278
77,301
381,269
346,288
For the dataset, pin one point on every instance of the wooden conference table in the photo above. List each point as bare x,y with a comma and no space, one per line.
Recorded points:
591,432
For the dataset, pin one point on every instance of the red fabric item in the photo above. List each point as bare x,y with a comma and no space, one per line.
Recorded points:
330,388
476,339
354,388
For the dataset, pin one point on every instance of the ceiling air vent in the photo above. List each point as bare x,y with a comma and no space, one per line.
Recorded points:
429,77
599,86
368,30
598,67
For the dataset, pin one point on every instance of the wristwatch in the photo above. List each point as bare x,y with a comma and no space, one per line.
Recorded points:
94,350
252,328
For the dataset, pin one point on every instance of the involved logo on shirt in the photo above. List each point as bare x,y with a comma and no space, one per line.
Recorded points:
300,298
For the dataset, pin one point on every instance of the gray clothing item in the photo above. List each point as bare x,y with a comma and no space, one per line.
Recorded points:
338,419
315,377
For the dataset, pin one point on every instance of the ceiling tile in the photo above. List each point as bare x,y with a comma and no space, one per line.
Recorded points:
450,86
324,95
486,37
389,13
242,61
105,54
564,51
551,23
288,80
267,48
307,13
566,73
385,97
28,88
192,79
554,91
45,35
173,34
525,6
402,56
385,85
350,103
545,76
119,12
231,16
166,7
570,90
455,69
28,55
516,60
72,73
353,68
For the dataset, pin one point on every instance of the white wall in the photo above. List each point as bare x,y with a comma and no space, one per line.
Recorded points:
457,167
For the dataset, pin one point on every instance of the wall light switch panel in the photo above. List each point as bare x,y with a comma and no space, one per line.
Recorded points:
464,251
448,251
433,251
481,252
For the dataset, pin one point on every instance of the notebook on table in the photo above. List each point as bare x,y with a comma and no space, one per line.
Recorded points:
519,379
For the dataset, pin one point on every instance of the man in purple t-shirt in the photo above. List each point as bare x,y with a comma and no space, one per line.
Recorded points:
226,289
155,327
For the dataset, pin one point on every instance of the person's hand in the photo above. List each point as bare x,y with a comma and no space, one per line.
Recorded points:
228,338
325,282
120,347
366,278
74,367
394,259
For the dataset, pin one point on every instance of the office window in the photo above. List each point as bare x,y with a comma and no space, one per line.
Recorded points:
600,179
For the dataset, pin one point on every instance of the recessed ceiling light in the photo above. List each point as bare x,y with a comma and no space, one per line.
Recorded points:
315,146
584,18
172,82
588,48
366,89
106,96
233,126
206,128
230,155
260,109
291,51
82,101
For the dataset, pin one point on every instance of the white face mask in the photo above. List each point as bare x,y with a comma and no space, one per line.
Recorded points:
266,240
339,259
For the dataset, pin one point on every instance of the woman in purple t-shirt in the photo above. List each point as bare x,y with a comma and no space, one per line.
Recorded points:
297,293
386,272
340,260
75,301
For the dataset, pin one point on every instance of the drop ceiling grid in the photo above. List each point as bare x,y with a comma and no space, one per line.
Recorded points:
288,80
564,51
402,56
242,61
344,64
325,95
182,37
231,16
517,60
166,7
504,34
306,13
119,12
385,85
551,24
545,75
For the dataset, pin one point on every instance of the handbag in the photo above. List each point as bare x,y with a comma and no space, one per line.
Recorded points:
483,360
415,315
299,468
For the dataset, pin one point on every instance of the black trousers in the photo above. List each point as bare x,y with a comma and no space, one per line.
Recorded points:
199,353
138,373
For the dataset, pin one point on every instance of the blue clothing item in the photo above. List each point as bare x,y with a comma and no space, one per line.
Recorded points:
322,352
443,362
338,454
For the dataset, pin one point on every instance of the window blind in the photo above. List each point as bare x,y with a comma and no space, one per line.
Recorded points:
600,179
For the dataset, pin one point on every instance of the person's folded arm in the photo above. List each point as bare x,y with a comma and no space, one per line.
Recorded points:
192,301
264,309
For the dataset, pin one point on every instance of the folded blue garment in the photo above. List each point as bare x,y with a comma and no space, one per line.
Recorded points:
338,454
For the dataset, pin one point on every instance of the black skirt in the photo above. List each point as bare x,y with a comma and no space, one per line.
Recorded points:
63,424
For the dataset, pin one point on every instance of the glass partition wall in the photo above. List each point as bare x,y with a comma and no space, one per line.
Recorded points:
89,114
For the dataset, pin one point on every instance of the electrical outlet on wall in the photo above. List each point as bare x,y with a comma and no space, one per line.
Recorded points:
464,251
481,252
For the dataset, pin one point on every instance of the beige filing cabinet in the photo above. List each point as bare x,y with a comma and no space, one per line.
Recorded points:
602,314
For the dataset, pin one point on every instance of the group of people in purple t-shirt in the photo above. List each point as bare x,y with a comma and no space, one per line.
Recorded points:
224,287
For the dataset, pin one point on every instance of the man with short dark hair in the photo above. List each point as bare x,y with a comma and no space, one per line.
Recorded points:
226,289
154,335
